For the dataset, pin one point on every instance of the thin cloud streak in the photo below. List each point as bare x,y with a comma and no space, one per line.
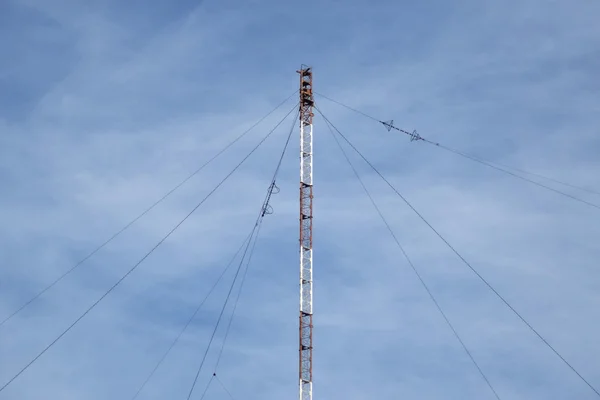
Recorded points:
130,100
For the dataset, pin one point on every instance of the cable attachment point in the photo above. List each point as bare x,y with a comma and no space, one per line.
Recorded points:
268,210
388,124
415,136
273,189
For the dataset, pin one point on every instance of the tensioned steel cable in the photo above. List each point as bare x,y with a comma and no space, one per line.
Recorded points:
495,165
147,254
486,163
192,317
228,329
257,227
223,386
414,268
133,221
264,210
463,259
545,177
235,304
212,379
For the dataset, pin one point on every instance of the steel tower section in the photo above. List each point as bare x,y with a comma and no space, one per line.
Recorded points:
306,222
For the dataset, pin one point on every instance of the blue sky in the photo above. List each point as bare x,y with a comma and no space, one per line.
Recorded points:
106,105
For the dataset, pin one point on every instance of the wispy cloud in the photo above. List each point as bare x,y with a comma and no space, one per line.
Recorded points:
107,106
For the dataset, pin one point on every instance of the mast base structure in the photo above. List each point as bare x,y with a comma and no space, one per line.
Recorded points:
306,225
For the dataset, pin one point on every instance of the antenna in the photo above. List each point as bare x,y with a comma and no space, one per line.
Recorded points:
306,208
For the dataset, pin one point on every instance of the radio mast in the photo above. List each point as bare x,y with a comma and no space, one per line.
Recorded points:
306,217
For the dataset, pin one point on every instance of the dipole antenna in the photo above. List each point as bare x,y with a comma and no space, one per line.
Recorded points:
306,218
